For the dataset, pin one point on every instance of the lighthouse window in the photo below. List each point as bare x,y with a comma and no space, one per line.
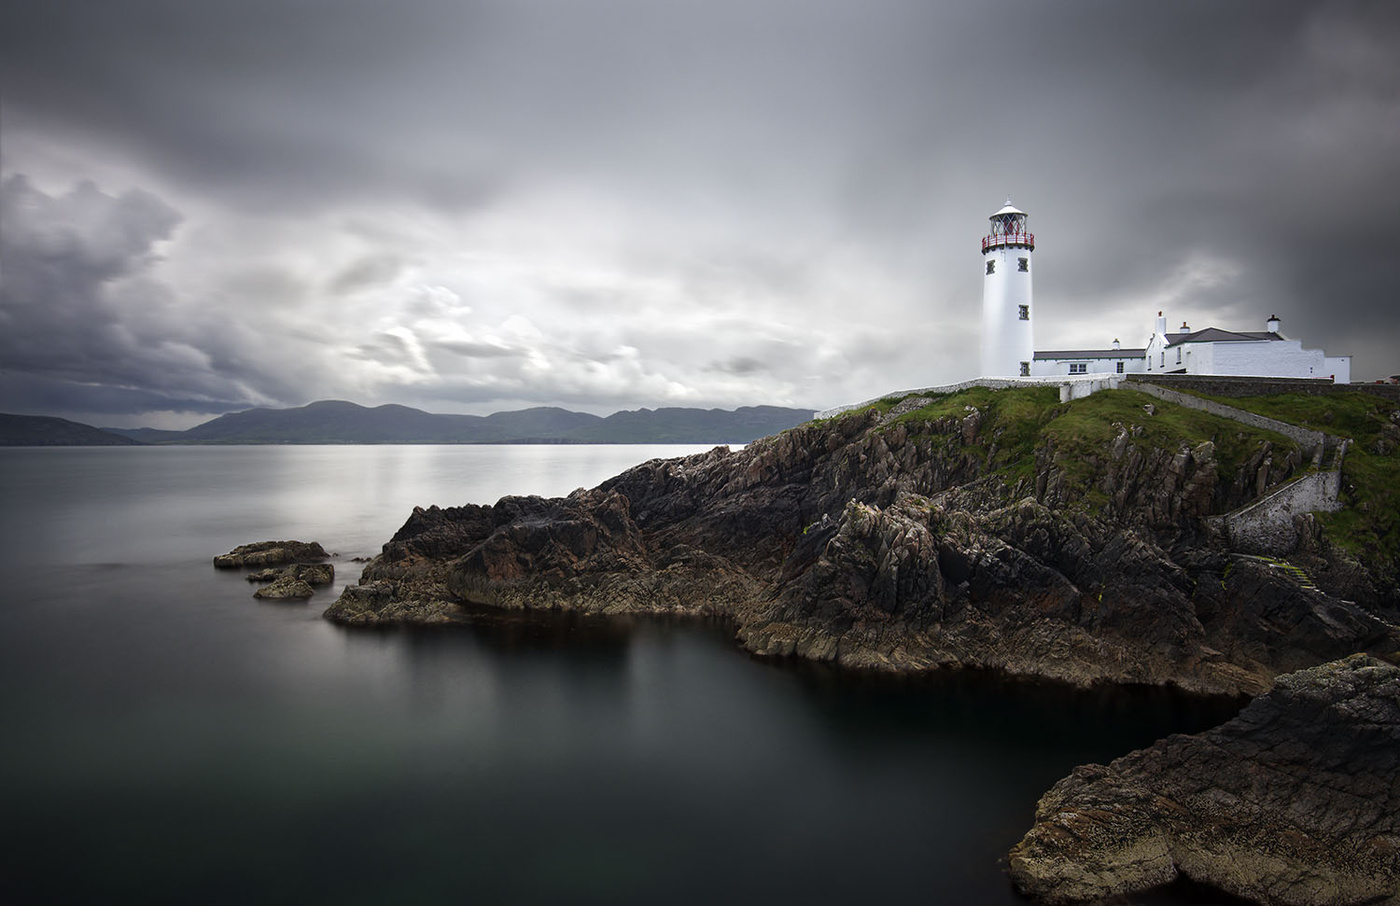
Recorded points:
1120,367
1078,368
1025,369
991,267
1023,264
1023,312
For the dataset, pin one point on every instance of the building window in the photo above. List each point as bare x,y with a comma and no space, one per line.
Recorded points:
1025,369
1023,264
1120,367
1178,355
1024,312
1162,363
1078,368
991,267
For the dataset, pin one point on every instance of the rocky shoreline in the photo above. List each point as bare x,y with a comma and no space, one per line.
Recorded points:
1296,801
989,531
896,541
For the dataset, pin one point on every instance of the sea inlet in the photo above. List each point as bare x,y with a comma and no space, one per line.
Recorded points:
169,739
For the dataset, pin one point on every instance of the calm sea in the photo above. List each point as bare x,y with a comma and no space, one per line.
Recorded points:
167,738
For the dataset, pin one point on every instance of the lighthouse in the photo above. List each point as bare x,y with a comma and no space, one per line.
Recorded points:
1008,346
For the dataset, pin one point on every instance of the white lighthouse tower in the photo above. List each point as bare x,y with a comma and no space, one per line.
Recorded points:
1008,347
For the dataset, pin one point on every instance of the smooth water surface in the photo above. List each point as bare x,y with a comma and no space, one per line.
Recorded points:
170,739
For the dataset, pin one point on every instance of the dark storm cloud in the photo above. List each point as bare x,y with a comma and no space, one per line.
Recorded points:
717,202
81,320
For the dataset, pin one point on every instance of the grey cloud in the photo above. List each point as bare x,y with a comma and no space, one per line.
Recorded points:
473,350
738,365
796,184
367,271
82,315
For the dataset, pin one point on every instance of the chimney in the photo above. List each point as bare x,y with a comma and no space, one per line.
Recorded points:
1272,324
1161,324
1115,343
1184,328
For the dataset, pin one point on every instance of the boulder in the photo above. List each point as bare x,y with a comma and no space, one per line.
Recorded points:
270,553
1295,802
313,573
284,588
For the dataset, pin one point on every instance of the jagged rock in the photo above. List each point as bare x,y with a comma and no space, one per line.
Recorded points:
1296,801
893,545
270,553
285,587
310,573
313,573
376,603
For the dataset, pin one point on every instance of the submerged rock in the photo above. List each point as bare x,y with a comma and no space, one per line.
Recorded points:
270,553
1296,801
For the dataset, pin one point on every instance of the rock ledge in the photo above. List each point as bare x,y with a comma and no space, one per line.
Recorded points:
1294,802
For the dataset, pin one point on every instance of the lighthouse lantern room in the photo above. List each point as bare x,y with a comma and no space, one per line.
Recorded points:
1008,346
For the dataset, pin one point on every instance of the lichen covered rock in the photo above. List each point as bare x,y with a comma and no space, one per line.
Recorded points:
284,588
1296,801
270,553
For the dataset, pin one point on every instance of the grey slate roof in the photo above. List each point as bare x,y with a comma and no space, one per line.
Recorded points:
1091,354
1215,334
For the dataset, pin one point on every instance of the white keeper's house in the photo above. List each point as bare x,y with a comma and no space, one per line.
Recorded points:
1008,320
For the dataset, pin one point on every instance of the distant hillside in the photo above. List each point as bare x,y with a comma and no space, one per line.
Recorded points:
43,431
338,422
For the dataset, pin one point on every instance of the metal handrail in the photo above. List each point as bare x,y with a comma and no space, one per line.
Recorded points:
1019,238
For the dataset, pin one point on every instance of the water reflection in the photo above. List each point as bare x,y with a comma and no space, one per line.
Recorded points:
170,739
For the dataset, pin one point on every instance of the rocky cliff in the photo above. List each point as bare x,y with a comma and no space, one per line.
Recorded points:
995,529
1296,801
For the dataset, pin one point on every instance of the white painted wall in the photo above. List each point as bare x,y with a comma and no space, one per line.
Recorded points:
1096,365
1339,366
1272,358
1007,341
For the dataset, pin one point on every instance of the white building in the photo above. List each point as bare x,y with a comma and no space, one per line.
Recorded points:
1007,341
1262,353
1266,353
1116,360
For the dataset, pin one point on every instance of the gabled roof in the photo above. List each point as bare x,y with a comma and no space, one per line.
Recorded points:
1091,354
1216,335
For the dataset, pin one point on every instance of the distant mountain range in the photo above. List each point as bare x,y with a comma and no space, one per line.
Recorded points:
338,422
43,431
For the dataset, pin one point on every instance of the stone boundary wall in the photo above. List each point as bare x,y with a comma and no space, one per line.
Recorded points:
1266,526
1313,441
1228,385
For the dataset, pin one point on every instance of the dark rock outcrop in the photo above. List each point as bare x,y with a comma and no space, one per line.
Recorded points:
283,588
310,573
271,553
290,582
905,544
1296,801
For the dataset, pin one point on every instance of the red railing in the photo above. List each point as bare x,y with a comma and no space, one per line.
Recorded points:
997,240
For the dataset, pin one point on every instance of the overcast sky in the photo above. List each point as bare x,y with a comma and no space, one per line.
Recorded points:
476,206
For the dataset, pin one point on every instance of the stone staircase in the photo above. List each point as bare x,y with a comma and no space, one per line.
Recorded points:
1296,573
